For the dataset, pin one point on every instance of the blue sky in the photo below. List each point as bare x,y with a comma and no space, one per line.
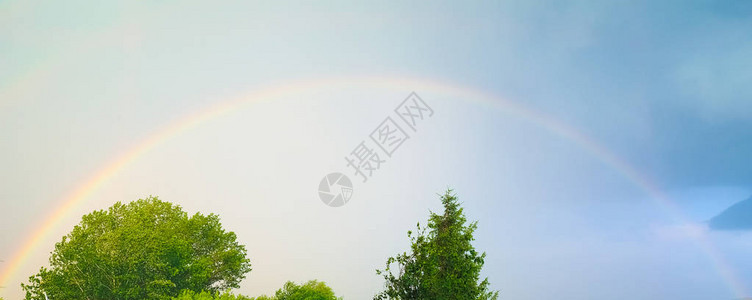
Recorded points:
664,86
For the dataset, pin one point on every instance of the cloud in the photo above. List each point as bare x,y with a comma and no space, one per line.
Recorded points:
715,82
736,217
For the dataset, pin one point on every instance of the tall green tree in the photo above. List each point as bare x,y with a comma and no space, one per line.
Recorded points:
146,249
442,263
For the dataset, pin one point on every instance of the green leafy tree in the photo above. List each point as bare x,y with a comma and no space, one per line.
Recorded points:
146,249
442,263
311,290
204,295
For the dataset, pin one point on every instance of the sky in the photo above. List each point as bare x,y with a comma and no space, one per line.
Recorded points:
592,140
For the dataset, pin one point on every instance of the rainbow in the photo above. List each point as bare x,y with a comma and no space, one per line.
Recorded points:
608,158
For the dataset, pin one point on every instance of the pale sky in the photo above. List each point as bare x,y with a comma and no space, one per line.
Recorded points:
591,141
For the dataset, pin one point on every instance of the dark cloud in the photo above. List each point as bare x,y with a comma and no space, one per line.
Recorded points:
736,217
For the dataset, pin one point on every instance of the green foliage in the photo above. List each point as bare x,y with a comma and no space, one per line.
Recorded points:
204,295
442,263
311,290
146,249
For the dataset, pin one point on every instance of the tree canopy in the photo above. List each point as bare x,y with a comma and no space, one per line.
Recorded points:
151,249
442,263
204,295
311,290
146,249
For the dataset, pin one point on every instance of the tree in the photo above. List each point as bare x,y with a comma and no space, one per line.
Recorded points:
311,290
204,295
146,249
442,263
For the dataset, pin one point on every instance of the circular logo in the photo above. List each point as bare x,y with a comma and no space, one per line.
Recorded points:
335,189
